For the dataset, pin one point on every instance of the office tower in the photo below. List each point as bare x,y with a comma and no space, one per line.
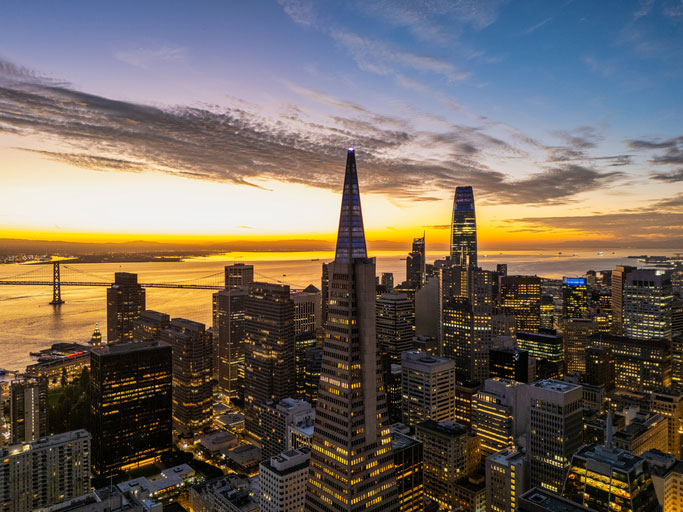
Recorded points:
192,371
238,275
500,414
408,461
647,299
520,296
574,297
600,367
470,493
639,365
669,403
452,279
618,280
125,302
44,471
229,322
677,317
306,309
507,478
303,343
645,431
300,435
314,361
547,312
464,393
464,229
28,409
351,463
415,262
387,281
276,416
667,478
677,358
547,348
229,493
468,328
512,364
149,325
428,388
130,405
577,333
428,309
608,478
555,431
324,294
282,481
395,321
450,453
270,358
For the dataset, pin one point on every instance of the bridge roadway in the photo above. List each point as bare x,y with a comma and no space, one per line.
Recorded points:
94,283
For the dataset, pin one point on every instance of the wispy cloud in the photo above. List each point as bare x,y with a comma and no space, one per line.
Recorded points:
147,57
300,11
534,28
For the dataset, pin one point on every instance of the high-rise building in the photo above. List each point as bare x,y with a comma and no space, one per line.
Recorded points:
520,296
574,297
395,321
238,275
464,229
352,465
324,294
28,409
282,481
192,371
130,405
230,493
512,364
149,325
313,365
639,365
647,299
608,478
45,471
600,310
555,431
677,358
428,388
270,359
276,417
303,343
507,478
409,464
546,346
428,309
125,302
618,280
677,317
450,453
387,281
415,262
667,477
306,310
228,321
600,367
547,312
669,403
500,414
577,333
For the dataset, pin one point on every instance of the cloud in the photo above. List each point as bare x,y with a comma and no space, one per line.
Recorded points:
238,146
146,57
673,147
534,28
668,177
300,11
383,59
598,66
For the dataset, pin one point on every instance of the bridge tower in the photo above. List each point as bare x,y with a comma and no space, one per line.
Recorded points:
56,285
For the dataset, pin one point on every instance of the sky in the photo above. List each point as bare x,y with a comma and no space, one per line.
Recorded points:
229,121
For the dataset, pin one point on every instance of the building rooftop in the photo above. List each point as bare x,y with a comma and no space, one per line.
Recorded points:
555,385
289,461
401,441
119,348
539,500
615,457
448,428
507,456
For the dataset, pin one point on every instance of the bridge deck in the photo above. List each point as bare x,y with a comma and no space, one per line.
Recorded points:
94,283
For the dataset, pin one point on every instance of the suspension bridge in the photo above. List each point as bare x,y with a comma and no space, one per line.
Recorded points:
58,274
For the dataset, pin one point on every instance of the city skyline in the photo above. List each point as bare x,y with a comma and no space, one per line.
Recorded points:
211,132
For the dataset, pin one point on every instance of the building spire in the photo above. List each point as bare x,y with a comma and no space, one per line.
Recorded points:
609,435
351,236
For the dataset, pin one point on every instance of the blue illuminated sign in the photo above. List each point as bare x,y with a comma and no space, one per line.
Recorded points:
575,281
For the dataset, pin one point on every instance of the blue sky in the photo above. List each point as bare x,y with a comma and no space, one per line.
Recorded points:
551,109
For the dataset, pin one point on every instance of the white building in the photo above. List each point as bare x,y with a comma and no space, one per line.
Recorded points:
283,481
507,478
44,472
428,388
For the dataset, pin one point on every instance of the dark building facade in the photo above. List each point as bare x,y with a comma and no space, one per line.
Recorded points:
149,325
574,297
238,275
415,263
125,302
130,405
351,462
548,349
228,320
464,229
509,363
408,460
520,296
192,372
270,351
28,409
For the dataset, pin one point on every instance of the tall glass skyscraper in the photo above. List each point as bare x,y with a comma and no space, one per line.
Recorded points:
464,228
351,465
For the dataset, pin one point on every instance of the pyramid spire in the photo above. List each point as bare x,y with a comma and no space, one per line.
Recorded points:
351,236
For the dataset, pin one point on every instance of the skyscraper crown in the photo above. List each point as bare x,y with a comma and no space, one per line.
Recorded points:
351,235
